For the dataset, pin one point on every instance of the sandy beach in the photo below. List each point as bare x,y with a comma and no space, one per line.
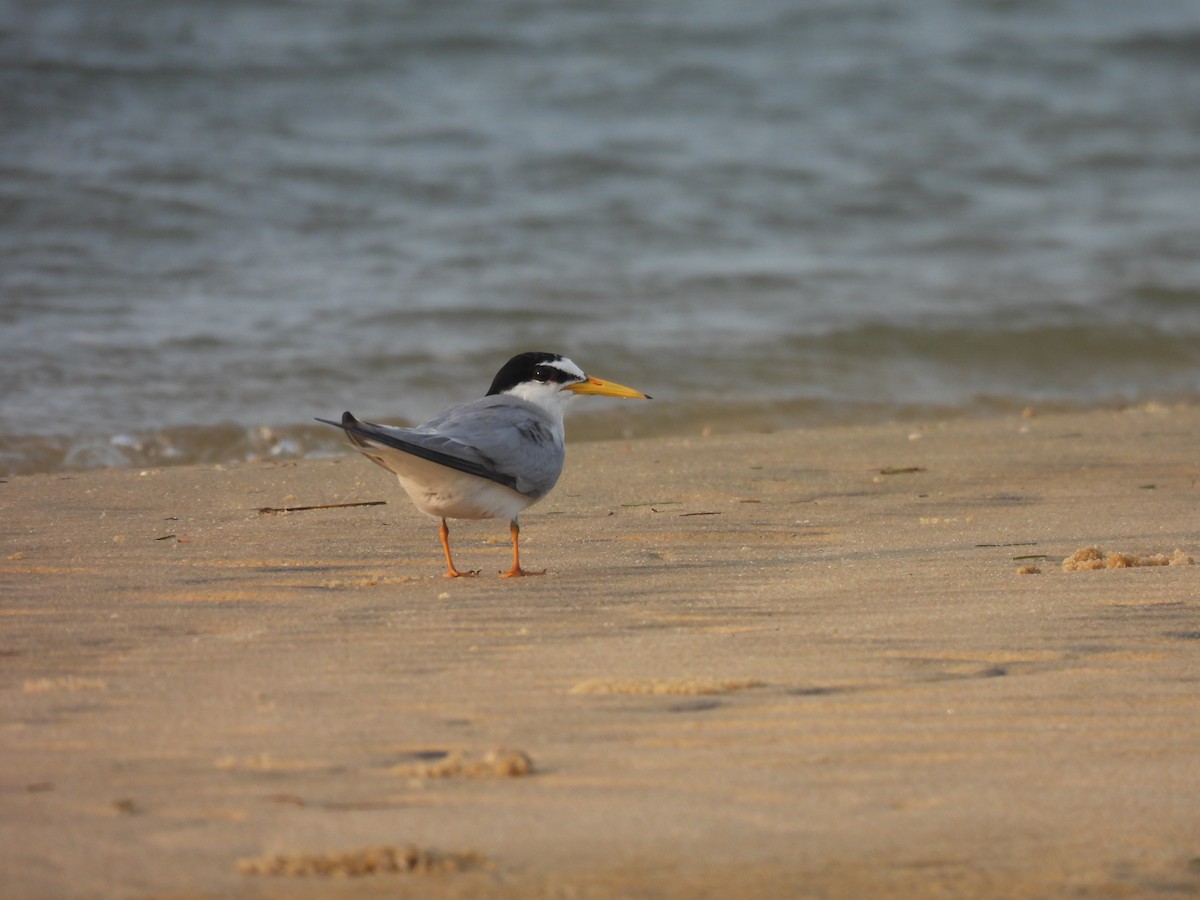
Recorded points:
842,662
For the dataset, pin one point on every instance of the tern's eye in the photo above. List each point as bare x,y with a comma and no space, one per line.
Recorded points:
542,374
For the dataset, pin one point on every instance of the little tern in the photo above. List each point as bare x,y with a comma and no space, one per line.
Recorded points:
490,458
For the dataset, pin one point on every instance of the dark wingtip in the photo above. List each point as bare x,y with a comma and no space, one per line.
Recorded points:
347,419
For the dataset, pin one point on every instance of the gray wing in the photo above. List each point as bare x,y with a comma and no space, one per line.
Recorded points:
502,439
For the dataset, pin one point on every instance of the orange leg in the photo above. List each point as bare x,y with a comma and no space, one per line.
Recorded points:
451,572
516,571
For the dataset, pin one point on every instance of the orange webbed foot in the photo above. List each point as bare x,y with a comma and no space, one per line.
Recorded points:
518,572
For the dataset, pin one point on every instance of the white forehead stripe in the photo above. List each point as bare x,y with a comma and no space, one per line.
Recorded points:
565,365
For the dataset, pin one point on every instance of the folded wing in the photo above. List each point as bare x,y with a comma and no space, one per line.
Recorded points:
505,443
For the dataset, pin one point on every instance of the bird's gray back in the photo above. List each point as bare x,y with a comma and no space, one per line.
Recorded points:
509,435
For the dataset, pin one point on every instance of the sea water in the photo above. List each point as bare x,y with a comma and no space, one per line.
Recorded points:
221,218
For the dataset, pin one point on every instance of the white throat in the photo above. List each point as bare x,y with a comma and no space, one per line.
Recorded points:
549,397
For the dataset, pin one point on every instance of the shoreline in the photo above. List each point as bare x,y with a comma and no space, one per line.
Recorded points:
230,443
792,663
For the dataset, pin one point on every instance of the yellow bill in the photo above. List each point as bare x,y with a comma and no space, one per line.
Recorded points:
606,389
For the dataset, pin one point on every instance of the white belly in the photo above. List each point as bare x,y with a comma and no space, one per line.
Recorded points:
450,494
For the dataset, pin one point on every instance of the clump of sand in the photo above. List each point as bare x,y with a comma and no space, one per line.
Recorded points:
367,861
659,686
493,764
1087,559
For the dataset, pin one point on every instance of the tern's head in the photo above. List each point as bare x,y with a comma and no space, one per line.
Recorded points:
550,380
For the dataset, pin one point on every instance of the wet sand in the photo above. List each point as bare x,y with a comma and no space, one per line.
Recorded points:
793,664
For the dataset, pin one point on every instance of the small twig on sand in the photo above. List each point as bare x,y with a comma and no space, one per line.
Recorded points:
269,510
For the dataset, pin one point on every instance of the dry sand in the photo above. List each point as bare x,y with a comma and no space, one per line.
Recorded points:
757,666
